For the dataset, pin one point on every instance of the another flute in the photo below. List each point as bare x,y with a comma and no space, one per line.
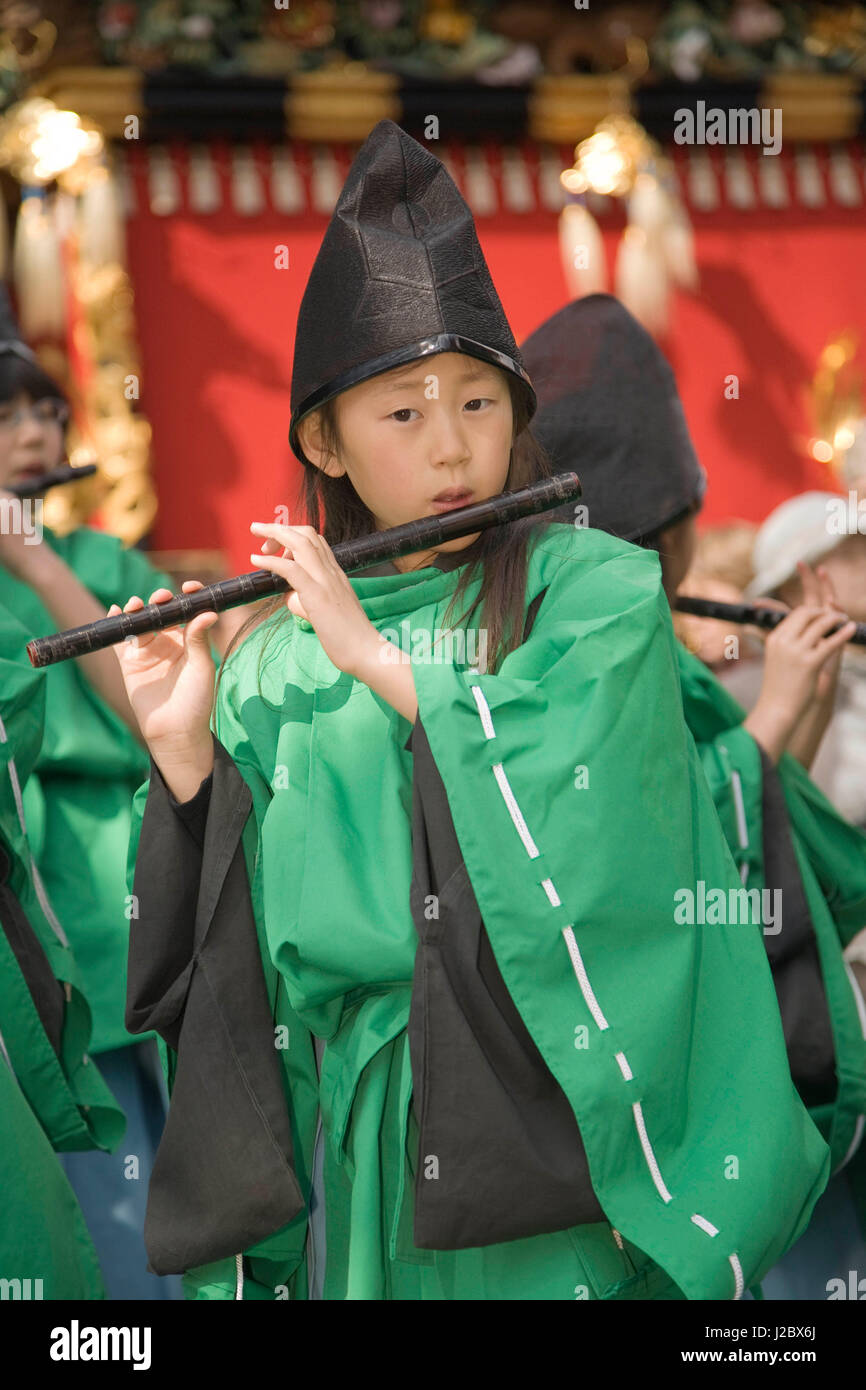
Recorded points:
748,613
56,478
350,555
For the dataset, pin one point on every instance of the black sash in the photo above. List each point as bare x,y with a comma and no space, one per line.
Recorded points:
500,1155
793,955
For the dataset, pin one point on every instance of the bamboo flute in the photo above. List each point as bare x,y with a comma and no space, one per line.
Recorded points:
57,477
350,555
766,618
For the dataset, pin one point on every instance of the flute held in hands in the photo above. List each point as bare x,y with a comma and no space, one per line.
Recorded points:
767,618
350,555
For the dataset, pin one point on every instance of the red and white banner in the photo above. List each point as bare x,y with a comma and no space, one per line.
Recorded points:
780,244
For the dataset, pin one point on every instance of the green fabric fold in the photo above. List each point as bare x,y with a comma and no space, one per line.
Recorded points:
78,802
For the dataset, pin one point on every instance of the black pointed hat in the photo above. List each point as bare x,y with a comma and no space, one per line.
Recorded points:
399,275
609,409
10,333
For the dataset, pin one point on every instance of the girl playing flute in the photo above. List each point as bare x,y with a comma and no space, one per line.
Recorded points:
405,898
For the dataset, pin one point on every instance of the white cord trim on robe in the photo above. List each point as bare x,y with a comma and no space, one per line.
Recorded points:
583,978
16,785
740,805
861,1119
7,1058
37,879
705,1225
483,710
16,792
552,895
858,997
239,1277
46,905
649,1155
742,824
624,1067
515,812
855,1142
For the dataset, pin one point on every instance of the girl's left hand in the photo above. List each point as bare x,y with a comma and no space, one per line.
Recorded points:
321,591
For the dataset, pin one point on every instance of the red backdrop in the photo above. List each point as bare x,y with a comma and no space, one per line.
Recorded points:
216,324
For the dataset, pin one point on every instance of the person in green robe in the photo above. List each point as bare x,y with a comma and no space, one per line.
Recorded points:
78,800
609,408
407,890
52,1098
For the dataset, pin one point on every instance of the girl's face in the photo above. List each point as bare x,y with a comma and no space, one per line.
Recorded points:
31,438
420,440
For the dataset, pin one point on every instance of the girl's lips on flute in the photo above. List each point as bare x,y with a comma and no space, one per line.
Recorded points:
451,498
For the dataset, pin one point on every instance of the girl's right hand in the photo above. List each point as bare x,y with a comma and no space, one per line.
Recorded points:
797,651
169,679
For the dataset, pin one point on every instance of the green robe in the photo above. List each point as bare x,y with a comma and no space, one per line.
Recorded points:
580,808
78,803
831,855
42,1231
47,1101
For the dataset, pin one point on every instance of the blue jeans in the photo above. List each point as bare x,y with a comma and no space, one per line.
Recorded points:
111,1189
831,1245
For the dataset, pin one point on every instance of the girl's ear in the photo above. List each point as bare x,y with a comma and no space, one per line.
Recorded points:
312,440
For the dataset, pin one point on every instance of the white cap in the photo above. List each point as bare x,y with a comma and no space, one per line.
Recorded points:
797,530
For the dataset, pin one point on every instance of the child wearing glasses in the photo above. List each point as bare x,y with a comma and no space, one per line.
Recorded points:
77,802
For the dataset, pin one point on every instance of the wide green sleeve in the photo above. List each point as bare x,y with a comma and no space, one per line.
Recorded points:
275,1267
112,571
44,1241
731,761
167,1055
64,1089
585,823
837,849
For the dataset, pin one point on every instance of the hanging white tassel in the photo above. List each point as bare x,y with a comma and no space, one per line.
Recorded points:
248,196
37,269
649,206
668,231
100,227
679,250
582,251
642,280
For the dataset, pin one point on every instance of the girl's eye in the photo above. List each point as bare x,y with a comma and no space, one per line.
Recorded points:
477,402
401,415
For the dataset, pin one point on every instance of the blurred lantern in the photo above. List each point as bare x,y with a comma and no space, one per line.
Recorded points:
836,396
43,146
619,160
582,251
40,143
37,269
